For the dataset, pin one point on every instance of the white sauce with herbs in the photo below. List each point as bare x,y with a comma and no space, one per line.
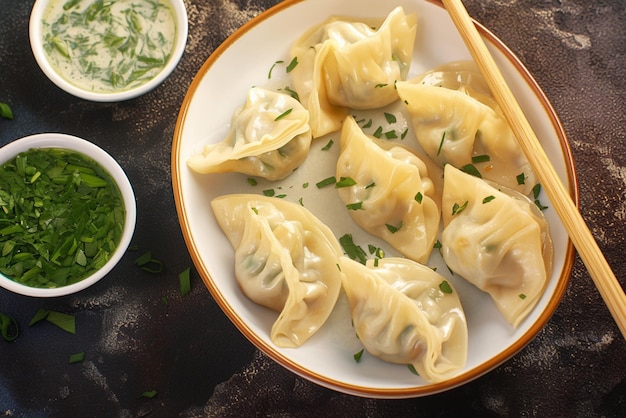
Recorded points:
108,46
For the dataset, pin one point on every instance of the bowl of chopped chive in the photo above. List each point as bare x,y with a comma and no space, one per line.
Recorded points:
108,51
67,214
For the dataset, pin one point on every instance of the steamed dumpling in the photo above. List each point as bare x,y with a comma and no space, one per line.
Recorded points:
285,259
269,137
499,242
392,194
350,63
406,313
455,128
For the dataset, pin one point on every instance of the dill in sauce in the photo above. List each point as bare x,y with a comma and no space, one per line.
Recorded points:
108,46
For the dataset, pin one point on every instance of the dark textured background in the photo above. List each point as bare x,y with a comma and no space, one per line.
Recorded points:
190,353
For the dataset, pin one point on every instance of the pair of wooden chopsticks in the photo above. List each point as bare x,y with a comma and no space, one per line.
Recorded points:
579,233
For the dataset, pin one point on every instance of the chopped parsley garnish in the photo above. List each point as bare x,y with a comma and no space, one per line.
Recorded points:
536,191
328,181
456,208
368,124
378,132
521,179
419,197
351,249
488,199
251,181
522,296
269,192
381,85
404,134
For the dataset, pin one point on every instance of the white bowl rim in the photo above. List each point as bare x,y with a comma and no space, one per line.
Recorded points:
74,143
35,35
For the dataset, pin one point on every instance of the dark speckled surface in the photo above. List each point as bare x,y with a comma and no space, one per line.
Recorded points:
190,353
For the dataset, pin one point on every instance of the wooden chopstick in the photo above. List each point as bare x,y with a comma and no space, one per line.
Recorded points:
577,229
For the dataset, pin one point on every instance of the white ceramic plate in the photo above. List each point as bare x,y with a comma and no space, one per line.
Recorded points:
221,85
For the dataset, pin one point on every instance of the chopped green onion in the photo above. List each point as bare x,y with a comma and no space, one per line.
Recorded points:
292,64
184,280
326,182
149,394
77,357
488,199
456,208
379,132
521,179
412,369
445,287
284,114
480,159
269,192
149,264
443,137
328,145
393,229
352,250
345,182
522,296
419,197
357,356
8,327
5,111
390,117
269,74
252,182
62,320
355,206
471,169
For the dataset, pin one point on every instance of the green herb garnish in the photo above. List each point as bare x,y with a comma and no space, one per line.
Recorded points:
443,138
345,182
326,182
357,356
62,320
149,264
5,111
471,169
419,197
456,208
445,287
282,115
521,179
292,64
328,145
355,206
8,327
184,280
488,199
476,159
390,117
76,357
61,217
352,250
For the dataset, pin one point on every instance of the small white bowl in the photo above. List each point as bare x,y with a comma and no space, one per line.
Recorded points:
57,140
36,34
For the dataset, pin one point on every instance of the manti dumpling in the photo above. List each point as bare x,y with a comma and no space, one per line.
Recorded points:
406,313
351,63
285,259
269,137
392,197
498,241
455,128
